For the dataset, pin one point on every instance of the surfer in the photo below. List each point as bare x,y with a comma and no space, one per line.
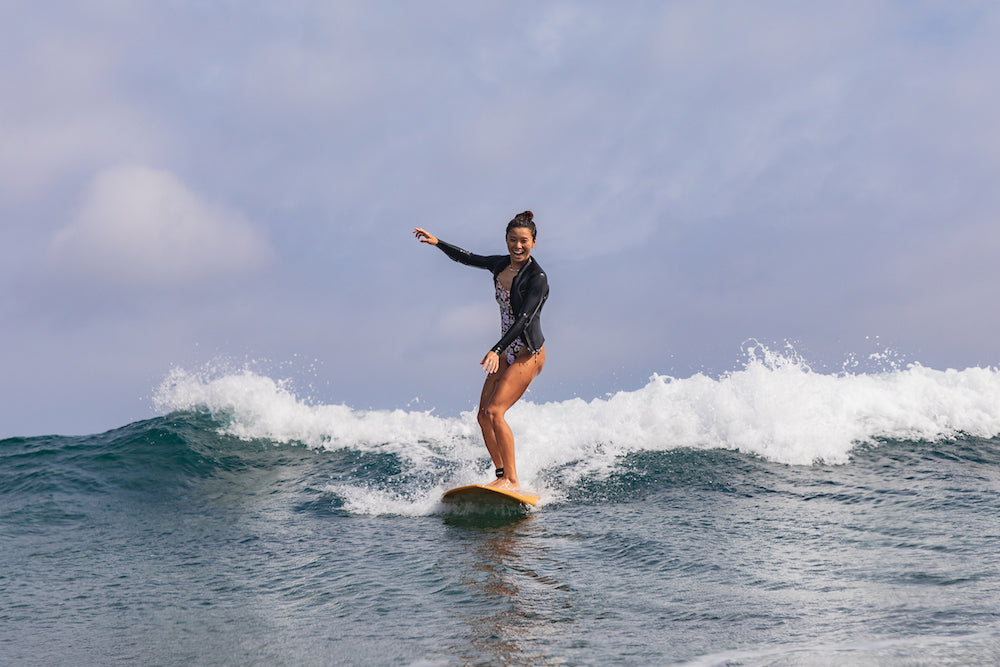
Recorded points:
518,357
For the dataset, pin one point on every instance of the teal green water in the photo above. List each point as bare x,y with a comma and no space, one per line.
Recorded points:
167,542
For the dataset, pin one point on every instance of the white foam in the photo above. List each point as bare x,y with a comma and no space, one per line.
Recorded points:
775,407
369,501
253,407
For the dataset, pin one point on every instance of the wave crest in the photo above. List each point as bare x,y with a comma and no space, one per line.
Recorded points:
775,407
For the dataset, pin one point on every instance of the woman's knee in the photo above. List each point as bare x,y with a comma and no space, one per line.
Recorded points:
492,413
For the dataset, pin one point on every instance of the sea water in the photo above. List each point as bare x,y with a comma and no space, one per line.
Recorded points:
774,515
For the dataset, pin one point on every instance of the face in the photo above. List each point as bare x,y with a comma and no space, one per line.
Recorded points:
519,244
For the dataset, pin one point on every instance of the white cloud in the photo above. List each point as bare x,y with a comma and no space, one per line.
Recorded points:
62,113
824,165
143,226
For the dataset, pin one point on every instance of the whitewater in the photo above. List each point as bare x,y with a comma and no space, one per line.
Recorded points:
771,515
775,407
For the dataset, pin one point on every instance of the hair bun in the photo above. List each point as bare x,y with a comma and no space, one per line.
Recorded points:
524,219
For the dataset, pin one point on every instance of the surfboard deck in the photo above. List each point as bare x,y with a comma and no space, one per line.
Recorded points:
486,495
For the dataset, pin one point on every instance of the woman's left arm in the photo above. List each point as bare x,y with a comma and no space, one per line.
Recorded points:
538,289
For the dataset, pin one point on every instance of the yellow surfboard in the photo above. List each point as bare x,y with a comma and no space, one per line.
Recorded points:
480,494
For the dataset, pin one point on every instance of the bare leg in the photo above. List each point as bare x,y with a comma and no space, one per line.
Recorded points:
489,388
510,386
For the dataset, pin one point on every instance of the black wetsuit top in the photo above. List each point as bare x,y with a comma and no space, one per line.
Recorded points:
528,293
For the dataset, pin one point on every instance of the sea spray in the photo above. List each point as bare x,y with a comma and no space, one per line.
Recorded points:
775,407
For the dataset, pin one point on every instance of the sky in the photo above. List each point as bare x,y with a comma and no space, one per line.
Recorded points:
221,185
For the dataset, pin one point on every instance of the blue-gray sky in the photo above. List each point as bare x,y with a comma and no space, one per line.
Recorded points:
184,183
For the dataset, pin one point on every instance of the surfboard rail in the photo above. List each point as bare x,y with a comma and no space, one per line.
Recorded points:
482,494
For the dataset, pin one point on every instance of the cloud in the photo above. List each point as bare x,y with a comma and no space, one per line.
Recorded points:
702,171
63,113
143,227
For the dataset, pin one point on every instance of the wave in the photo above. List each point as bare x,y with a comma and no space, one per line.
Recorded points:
774,407
254,434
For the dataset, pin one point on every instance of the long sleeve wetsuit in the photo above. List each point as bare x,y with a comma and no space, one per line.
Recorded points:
528,293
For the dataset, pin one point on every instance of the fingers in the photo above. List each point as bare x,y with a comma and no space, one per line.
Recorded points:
490,363
424,236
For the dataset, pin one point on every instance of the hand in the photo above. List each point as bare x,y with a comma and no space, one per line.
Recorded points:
491,362
424,236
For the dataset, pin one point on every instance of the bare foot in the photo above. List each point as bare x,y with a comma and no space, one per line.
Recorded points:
505,484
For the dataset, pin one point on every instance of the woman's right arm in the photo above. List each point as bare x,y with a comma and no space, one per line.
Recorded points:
454,252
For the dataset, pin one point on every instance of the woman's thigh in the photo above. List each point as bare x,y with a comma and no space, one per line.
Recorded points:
514,381
491,382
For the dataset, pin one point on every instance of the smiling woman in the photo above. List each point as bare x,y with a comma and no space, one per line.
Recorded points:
519,355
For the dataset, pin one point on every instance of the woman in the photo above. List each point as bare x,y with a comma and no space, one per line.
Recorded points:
518,357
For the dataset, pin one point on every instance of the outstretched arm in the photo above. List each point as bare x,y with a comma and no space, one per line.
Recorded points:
457,254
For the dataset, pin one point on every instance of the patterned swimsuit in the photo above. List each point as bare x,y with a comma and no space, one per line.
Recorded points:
506,320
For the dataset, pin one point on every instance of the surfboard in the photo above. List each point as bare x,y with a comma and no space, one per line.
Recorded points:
480,494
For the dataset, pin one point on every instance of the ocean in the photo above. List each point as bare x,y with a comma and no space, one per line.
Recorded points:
774,515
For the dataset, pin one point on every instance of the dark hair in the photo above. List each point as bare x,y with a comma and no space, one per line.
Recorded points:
526,220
